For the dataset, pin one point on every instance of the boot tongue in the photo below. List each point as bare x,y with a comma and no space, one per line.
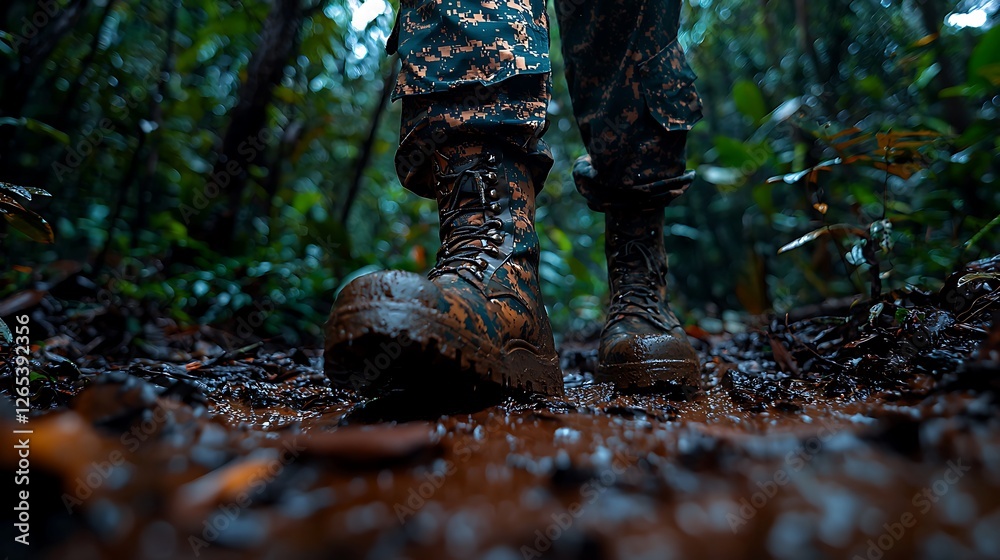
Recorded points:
638,276
638,269
464,200
467,200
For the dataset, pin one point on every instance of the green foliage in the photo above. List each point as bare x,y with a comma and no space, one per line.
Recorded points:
124,120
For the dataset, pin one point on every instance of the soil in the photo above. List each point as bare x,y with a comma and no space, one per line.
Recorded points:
869,433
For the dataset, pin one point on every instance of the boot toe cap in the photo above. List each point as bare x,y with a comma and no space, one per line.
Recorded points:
626,347
388,286
647,359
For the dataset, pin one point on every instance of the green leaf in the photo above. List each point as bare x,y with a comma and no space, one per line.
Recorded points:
873,86
956,91
39,126
5,333
6,43
36,126
749,100
732,152
763,195
979,234
561,240
986,53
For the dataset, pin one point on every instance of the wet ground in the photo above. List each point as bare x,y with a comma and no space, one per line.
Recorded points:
873,433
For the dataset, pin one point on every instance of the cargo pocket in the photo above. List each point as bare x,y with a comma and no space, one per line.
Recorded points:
668,86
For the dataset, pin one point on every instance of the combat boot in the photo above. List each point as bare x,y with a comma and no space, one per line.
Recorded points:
478,316
643,346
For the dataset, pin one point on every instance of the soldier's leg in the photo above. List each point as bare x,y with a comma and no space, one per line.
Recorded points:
634,100
474,86
633,97
470,70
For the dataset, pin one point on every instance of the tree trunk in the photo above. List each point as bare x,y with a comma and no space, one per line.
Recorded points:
34,54
364,156
278,42
31,58
78,84
146,188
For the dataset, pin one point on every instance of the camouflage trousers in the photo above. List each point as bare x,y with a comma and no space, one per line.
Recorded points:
478,71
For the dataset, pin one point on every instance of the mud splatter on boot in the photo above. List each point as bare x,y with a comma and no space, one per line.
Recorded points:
478,316
643,346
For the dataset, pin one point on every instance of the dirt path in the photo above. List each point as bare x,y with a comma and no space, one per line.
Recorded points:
865,451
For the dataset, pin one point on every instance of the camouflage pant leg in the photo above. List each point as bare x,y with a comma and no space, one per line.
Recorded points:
480,69
633,98
471,70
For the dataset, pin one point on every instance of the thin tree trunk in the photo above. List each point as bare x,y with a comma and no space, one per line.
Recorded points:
285,148
365,155
278,42
805,38
124,186
156,117
34,55
19,84
77,84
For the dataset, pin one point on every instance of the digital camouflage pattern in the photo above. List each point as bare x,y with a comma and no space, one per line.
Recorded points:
481,69
475,86
642,345
452,42
479,309
510,113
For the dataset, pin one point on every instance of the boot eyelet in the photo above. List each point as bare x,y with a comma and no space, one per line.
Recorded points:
482,264
495,207
493,194
490,158
497,238
490,177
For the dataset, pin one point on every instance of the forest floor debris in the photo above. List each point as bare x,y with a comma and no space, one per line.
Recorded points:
875,434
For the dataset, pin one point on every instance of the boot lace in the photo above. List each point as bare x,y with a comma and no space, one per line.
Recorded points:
635,293
464,241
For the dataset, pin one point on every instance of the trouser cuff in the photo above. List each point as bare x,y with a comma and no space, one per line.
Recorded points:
602,196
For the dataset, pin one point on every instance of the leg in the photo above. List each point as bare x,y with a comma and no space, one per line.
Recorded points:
474,85
634,100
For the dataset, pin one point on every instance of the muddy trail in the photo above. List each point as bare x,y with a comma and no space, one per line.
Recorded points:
872,433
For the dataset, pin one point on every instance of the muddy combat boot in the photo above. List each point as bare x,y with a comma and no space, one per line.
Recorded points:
478,317
643,346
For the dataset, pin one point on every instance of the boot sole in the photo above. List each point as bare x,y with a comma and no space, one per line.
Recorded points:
395,346
676,378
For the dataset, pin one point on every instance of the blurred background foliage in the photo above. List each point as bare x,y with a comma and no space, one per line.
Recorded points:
212,161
